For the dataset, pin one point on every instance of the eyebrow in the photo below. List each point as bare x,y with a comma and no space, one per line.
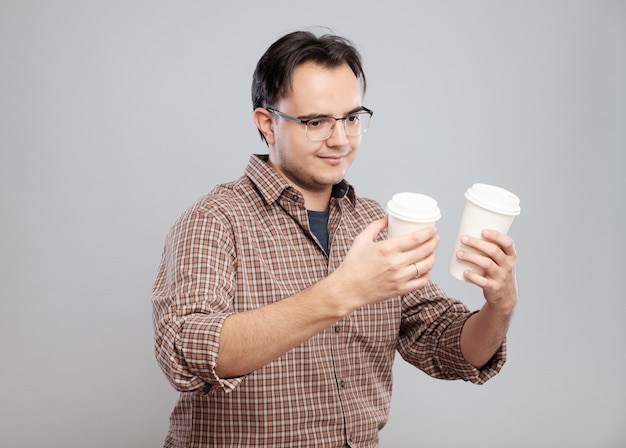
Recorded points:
312,116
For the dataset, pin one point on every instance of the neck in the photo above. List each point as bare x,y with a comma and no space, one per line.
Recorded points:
316,201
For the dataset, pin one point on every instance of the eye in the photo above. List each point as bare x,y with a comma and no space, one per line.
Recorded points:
321,123
353,118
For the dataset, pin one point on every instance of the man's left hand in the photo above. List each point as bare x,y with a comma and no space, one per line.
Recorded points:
496,256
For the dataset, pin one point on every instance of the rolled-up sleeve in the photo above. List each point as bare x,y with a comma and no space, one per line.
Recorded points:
191,298
430,337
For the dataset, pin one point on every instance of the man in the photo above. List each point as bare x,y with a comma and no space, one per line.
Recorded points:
279,303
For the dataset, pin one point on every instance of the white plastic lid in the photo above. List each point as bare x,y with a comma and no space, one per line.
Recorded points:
494,198
415,207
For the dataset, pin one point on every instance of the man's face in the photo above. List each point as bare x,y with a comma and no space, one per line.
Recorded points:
316,166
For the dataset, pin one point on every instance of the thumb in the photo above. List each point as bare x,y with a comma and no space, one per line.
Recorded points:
374,228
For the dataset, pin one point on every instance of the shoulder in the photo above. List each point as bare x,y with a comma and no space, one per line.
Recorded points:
227,199
369,204
226,204
369,208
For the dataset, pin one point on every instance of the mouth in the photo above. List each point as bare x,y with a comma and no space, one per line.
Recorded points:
334,159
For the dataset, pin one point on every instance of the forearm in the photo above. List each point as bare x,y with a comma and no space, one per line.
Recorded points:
484,333
252,339
368,274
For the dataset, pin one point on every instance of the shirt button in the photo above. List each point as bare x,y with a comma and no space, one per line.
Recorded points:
342,383
337,328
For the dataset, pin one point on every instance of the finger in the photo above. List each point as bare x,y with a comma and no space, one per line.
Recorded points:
413,240
501,239
419,282
417,269
494,269
422,267
422,254
485,248
479,260
478,280
374,228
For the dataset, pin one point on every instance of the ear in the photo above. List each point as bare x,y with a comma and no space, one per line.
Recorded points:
264,121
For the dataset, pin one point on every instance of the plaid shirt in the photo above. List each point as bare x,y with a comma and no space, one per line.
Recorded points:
248,244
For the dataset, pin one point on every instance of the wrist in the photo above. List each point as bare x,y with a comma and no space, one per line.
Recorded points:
504,308
335,297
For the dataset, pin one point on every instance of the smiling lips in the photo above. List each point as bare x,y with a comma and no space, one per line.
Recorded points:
333,159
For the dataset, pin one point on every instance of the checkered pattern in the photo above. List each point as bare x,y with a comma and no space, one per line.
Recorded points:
248,244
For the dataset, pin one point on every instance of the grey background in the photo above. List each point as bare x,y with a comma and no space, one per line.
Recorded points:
116,115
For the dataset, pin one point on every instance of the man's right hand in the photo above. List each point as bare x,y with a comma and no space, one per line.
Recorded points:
373,271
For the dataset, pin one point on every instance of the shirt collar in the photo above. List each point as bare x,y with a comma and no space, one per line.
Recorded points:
271,184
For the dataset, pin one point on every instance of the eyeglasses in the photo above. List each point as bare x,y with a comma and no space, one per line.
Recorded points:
321,128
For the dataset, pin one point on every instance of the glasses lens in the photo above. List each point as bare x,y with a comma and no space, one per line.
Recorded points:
320,128
357,123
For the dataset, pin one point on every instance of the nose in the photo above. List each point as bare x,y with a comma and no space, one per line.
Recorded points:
338,136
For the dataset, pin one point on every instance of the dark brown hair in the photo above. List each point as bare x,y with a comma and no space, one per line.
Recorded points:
272,77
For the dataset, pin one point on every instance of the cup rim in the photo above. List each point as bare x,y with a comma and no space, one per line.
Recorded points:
511,208
433,213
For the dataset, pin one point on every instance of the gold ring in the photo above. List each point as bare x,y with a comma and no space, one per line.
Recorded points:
417,270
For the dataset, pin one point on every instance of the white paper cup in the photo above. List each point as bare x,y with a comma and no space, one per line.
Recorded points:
408,212
486,207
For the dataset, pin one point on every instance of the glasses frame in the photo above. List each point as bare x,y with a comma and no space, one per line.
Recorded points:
306,122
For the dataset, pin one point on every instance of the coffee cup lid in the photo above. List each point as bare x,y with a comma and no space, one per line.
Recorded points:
415,207
494,198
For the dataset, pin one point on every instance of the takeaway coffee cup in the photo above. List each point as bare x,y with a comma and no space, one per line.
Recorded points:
486,207
408,212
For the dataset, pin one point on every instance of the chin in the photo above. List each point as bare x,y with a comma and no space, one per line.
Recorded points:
329,181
